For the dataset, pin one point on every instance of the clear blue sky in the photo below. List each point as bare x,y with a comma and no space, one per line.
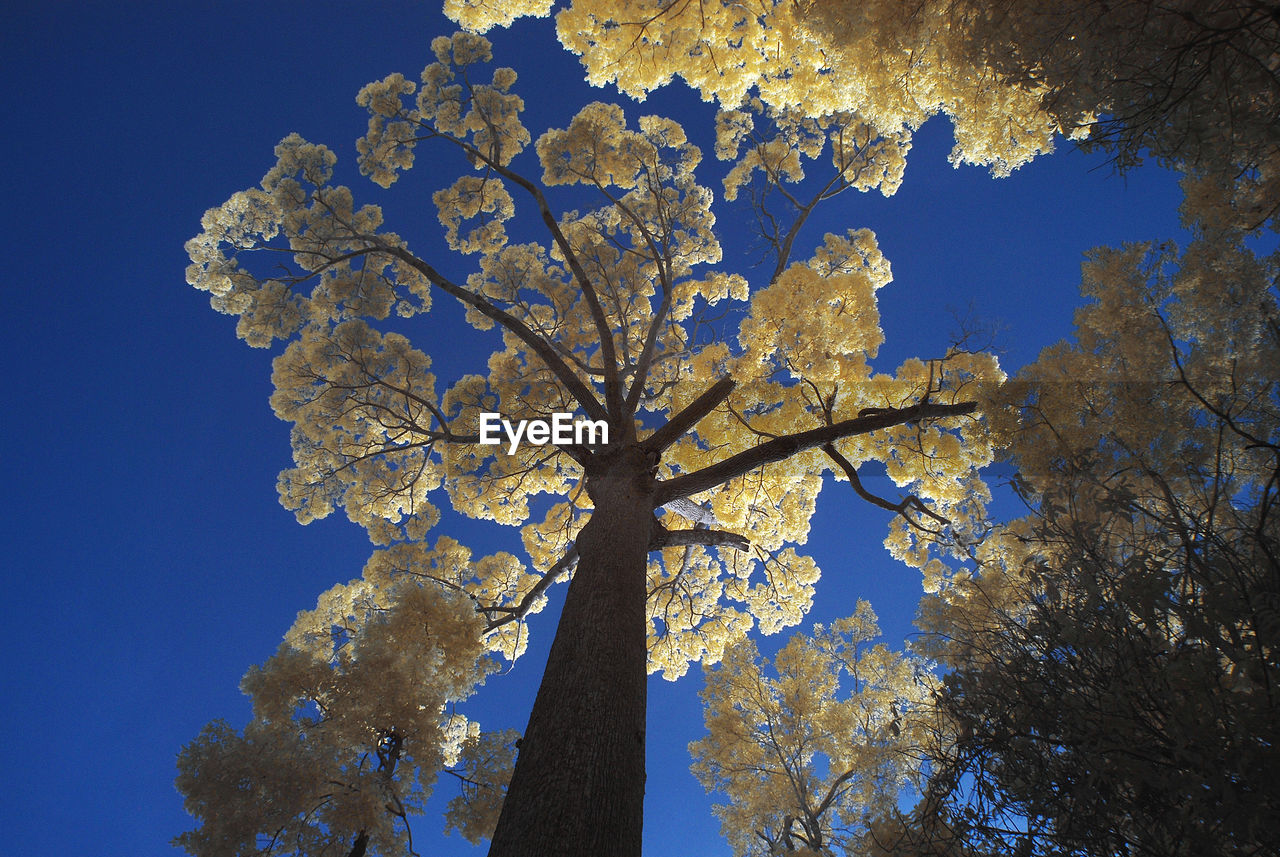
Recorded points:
146,561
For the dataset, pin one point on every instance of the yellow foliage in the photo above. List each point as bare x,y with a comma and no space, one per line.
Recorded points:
892,66
810,749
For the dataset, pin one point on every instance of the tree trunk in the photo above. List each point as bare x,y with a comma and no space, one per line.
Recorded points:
578,785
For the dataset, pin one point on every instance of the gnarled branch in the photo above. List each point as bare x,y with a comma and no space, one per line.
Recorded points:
909,502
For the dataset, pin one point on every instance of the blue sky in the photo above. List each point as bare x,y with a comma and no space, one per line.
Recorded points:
147,563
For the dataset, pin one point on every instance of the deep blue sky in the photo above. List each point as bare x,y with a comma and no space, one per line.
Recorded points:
146,560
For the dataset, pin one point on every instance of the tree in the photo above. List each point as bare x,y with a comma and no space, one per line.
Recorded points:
1142,596
1111,659
1192,83
1147,573
809,759
347,736
676,510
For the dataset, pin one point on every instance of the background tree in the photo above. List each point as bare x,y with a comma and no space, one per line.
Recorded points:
808,759
1193,83
679,533
349,729
1111,659
1114,657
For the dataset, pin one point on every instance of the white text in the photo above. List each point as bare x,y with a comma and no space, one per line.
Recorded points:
561,429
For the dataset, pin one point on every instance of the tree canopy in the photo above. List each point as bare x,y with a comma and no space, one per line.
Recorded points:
680,530
810,759
1107,664
892,63
1192,83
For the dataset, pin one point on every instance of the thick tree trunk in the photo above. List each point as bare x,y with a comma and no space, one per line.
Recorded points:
578,786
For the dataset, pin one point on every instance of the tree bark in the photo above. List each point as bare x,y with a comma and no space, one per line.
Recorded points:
578,785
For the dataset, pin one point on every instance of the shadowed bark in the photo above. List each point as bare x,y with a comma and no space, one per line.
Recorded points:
578,786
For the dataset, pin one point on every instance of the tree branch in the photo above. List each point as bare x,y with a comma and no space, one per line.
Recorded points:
358,847
676,427
833,792
788,445
664,538
661,261
910,501
539,346
612,383
519,611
